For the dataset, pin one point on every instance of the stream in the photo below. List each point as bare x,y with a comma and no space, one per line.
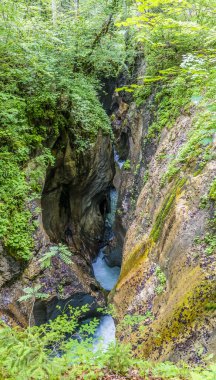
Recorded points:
105,275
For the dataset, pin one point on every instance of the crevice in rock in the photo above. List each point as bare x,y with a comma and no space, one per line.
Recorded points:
77,202
44,312
75,199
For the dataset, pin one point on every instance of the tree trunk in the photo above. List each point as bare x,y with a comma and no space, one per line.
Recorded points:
54,10
76,5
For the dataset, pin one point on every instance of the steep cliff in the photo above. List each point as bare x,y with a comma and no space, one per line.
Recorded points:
72,211
167,203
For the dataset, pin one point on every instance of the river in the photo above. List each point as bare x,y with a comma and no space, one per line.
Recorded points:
105,275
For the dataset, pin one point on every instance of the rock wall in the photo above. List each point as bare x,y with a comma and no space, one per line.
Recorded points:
73,207
76,197
166,273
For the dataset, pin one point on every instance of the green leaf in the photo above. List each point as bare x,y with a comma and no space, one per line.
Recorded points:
207,141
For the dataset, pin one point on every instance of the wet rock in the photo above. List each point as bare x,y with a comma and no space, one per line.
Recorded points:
74,203
45,311
74,199
113,253
9,267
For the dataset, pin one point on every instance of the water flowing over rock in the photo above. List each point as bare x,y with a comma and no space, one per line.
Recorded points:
105,333
165,274
105,275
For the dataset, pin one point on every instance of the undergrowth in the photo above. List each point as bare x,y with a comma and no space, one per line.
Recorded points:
48,84
65,349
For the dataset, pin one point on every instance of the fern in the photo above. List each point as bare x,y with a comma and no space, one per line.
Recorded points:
33,354
45,261
65,254
61,251
32,294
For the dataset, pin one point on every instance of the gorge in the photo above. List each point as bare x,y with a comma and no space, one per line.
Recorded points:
107,190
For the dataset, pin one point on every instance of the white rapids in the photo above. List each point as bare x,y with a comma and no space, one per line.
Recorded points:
105,275
105,333
119,162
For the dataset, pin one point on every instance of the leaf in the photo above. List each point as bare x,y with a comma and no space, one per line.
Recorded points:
24,298
46,259
207,141
36,288
42,295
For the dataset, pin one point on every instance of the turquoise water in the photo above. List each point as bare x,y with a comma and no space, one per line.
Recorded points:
107,277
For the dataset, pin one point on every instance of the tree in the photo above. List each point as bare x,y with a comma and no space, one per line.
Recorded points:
51,65
76,5
54,11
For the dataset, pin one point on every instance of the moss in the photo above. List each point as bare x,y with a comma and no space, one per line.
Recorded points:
184,317
127,165
161,280
144,247
166,207
212,191
198,148
137,256
211,306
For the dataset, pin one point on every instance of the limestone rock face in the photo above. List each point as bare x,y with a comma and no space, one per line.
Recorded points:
73,205
9,267
75,196
62,282
166,271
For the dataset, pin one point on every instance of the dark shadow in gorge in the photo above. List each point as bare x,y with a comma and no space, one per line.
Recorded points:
75,204
75,198
46,311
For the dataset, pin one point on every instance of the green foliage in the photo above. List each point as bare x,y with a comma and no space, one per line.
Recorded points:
177,40
212,191
146,177
169,102
161,279
198,149
137,168
52,351
45,261
204,200
132,320
210,241
49,82
61,251
32,353
33,293
127,165
119,358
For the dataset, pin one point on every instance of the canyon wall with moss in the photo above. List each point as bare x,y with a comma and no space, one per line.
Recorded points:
71,211
166,209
